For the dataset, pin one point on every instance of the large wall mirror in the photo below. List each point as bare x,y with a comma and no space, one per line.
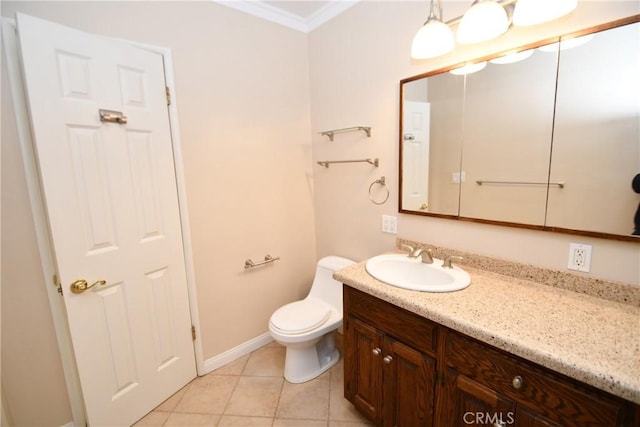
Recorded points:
547,138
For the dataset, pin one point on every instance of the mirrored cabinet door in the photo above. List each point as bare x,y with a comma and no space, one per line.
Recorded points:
596,143
507,128
431,144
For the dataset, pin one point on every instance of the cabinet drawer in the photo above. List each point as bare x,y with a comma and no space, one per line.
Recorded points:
558,398
407,327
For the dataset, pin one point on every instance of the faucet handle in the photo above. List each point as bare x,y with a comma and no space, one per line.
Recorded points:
447,261
409,248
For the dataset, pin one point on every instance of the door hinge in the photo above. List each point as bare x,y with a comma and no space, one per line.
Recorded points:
193,332
168,93
57,284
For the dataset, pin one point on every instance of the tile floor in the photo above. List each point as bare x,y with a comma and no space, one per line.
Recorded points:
251,391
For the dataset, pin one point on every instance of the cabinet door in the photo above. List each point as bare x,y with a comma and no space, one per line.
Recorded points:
464,402
362,367
527,418
409,386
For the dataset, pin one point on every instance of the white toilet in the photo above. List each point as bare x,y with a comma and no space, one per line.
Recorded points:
307,327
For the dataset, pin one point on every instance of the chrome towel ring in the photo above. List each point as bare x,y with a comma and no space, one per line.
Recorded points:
381,182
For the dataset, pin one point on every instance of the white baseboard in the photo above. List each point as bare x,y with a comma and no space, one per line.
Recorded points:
69,424
235,353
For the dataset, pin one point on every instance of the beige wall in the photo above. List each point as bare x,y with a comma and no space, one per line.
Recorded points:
356,63
243,99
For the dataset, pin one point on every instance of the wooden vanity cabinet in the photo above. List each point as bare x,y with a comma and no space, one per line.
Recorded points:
463,401
389,368
403,370
518,392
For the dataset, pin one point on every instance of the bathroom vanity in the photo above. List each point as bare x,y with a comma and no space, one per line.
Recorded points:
504,351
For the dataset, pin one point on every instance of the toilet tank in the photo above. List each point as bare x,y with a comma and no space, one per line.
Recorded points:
324,286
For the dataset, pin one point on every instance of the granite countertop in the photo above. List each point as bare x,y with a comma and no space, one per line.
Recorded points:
590,339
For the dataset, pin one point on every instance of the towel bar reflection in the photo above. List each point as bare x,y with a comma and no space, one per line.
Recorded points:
326,163
268,259
559,184
331,133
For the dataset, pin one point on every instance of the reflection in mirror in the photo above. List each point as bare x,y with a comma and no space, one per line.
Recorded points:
508,118
571,171
596,143
431,143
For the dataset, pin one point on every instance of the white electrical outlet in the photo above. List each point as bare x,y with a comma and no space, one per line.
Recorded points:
389,224
579,257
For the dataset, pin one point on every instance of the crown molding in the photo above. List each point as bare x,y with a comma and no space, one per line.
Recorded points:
290,20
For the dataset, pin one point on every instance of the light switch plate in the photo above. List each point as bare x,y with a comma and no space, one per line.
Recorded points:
390,224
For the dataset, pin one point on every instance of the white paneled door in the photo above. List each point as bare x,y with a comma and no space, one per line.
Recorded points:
415,156
110,192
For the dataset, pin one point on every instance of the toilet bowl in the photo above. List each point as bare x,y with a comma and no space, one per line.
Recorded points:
307,327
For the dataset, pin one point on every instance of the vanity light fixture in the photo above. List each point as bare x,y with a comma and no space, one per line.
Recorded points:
484,20
533,12
469,69
434,38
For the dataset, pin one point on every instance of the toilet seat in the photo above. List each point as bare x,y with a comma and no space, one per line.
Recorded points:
300,316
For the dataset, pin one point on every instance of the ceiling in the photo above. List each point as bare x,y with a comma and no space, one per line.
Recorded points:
303,9
300,15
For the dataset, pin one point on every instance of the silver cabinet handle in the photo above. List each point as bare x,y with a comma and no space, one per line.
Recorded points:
517,382
376,351
387,359
500,424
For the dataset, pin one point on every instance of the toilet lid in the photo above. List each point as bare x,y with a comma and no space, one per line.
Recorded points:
300,316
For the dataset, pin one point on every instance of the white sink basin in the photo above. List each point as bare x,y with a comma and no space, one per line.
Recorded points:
411,273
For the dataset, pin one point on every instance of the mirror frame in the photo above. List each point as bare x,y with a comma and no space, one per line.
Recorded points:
594,29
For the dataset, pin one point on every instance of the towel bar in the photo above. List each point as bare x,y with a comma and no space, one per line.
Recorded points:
326,163
267,260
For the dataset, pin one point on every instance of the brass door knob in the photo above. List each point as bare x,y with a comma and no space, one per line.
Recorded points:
81,285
